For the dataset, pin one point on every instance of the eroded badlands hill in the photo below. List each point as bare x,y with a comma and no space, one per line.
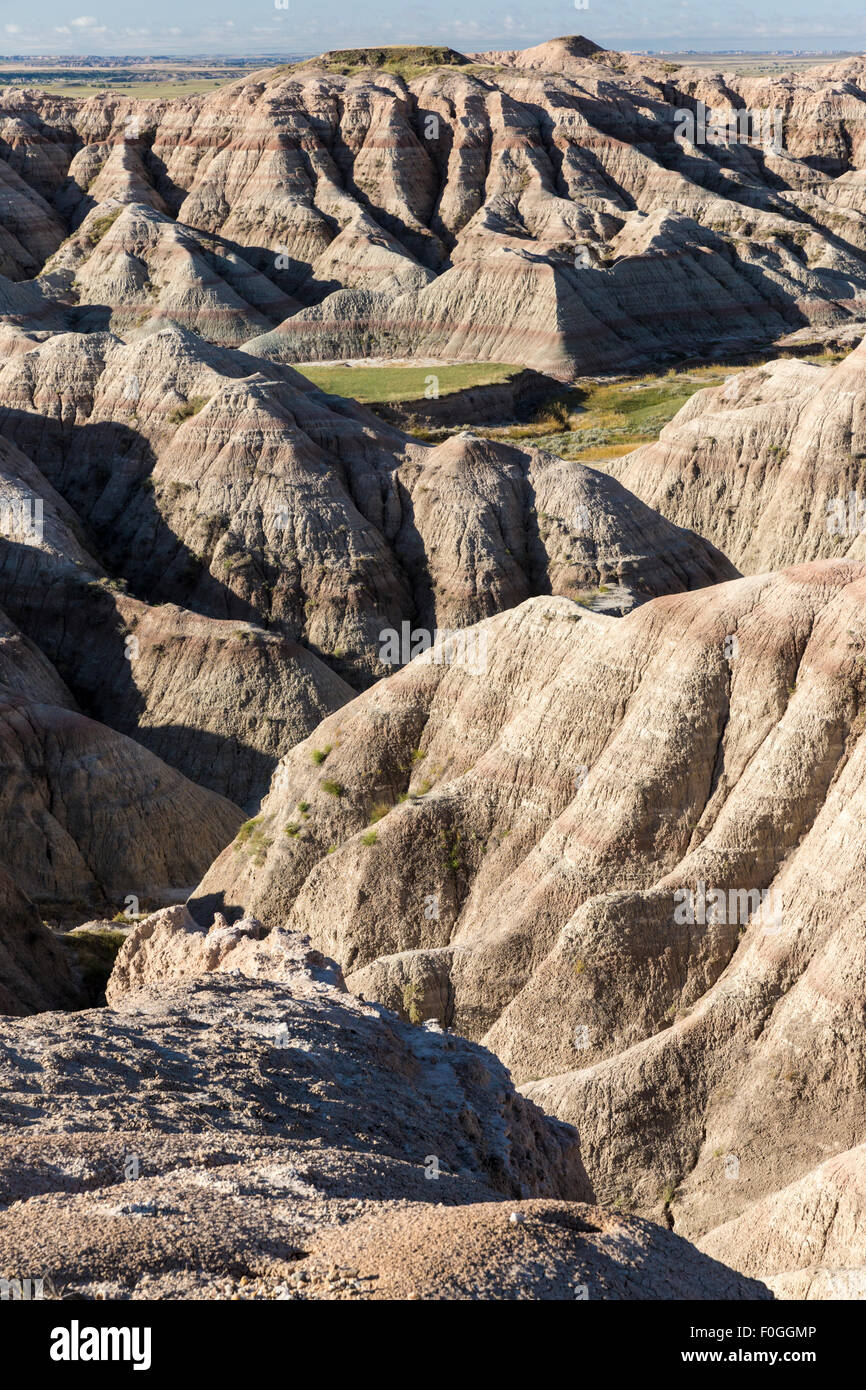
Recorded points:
544,207
499,837
207,553
213,480
88,815
88,818
219,699
504,852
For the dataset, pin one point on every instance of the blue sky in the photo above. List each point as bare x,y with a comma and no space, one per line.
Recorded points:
309,26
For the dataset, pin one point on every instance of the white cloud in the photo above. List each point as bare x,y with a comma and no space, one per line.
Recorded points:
84,21
12,28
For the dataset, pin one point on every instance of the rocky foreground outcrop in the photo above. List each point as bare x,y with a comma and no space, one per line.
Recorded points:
771,466
529,855
552,207
275,1137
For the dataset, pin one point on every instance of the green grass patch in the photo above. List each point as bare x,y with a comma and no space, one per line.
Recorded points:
252,840
412,997
100,225
188,409
384,385
406,62
595,420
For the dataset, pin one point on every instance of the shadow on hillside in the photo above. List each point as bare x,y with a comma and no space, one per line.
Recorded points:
104,471
81,630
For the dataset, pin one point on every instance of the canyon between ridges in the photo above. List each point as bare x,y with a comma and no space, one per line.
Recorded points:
533,966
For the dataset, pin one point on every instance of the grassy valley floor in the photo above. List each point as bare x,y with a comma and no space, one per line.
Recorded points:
594,419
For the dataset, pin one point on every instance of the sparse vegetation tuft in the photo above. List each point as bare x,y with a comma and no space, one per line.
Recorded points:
412,996
189,408
252,841
100,225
